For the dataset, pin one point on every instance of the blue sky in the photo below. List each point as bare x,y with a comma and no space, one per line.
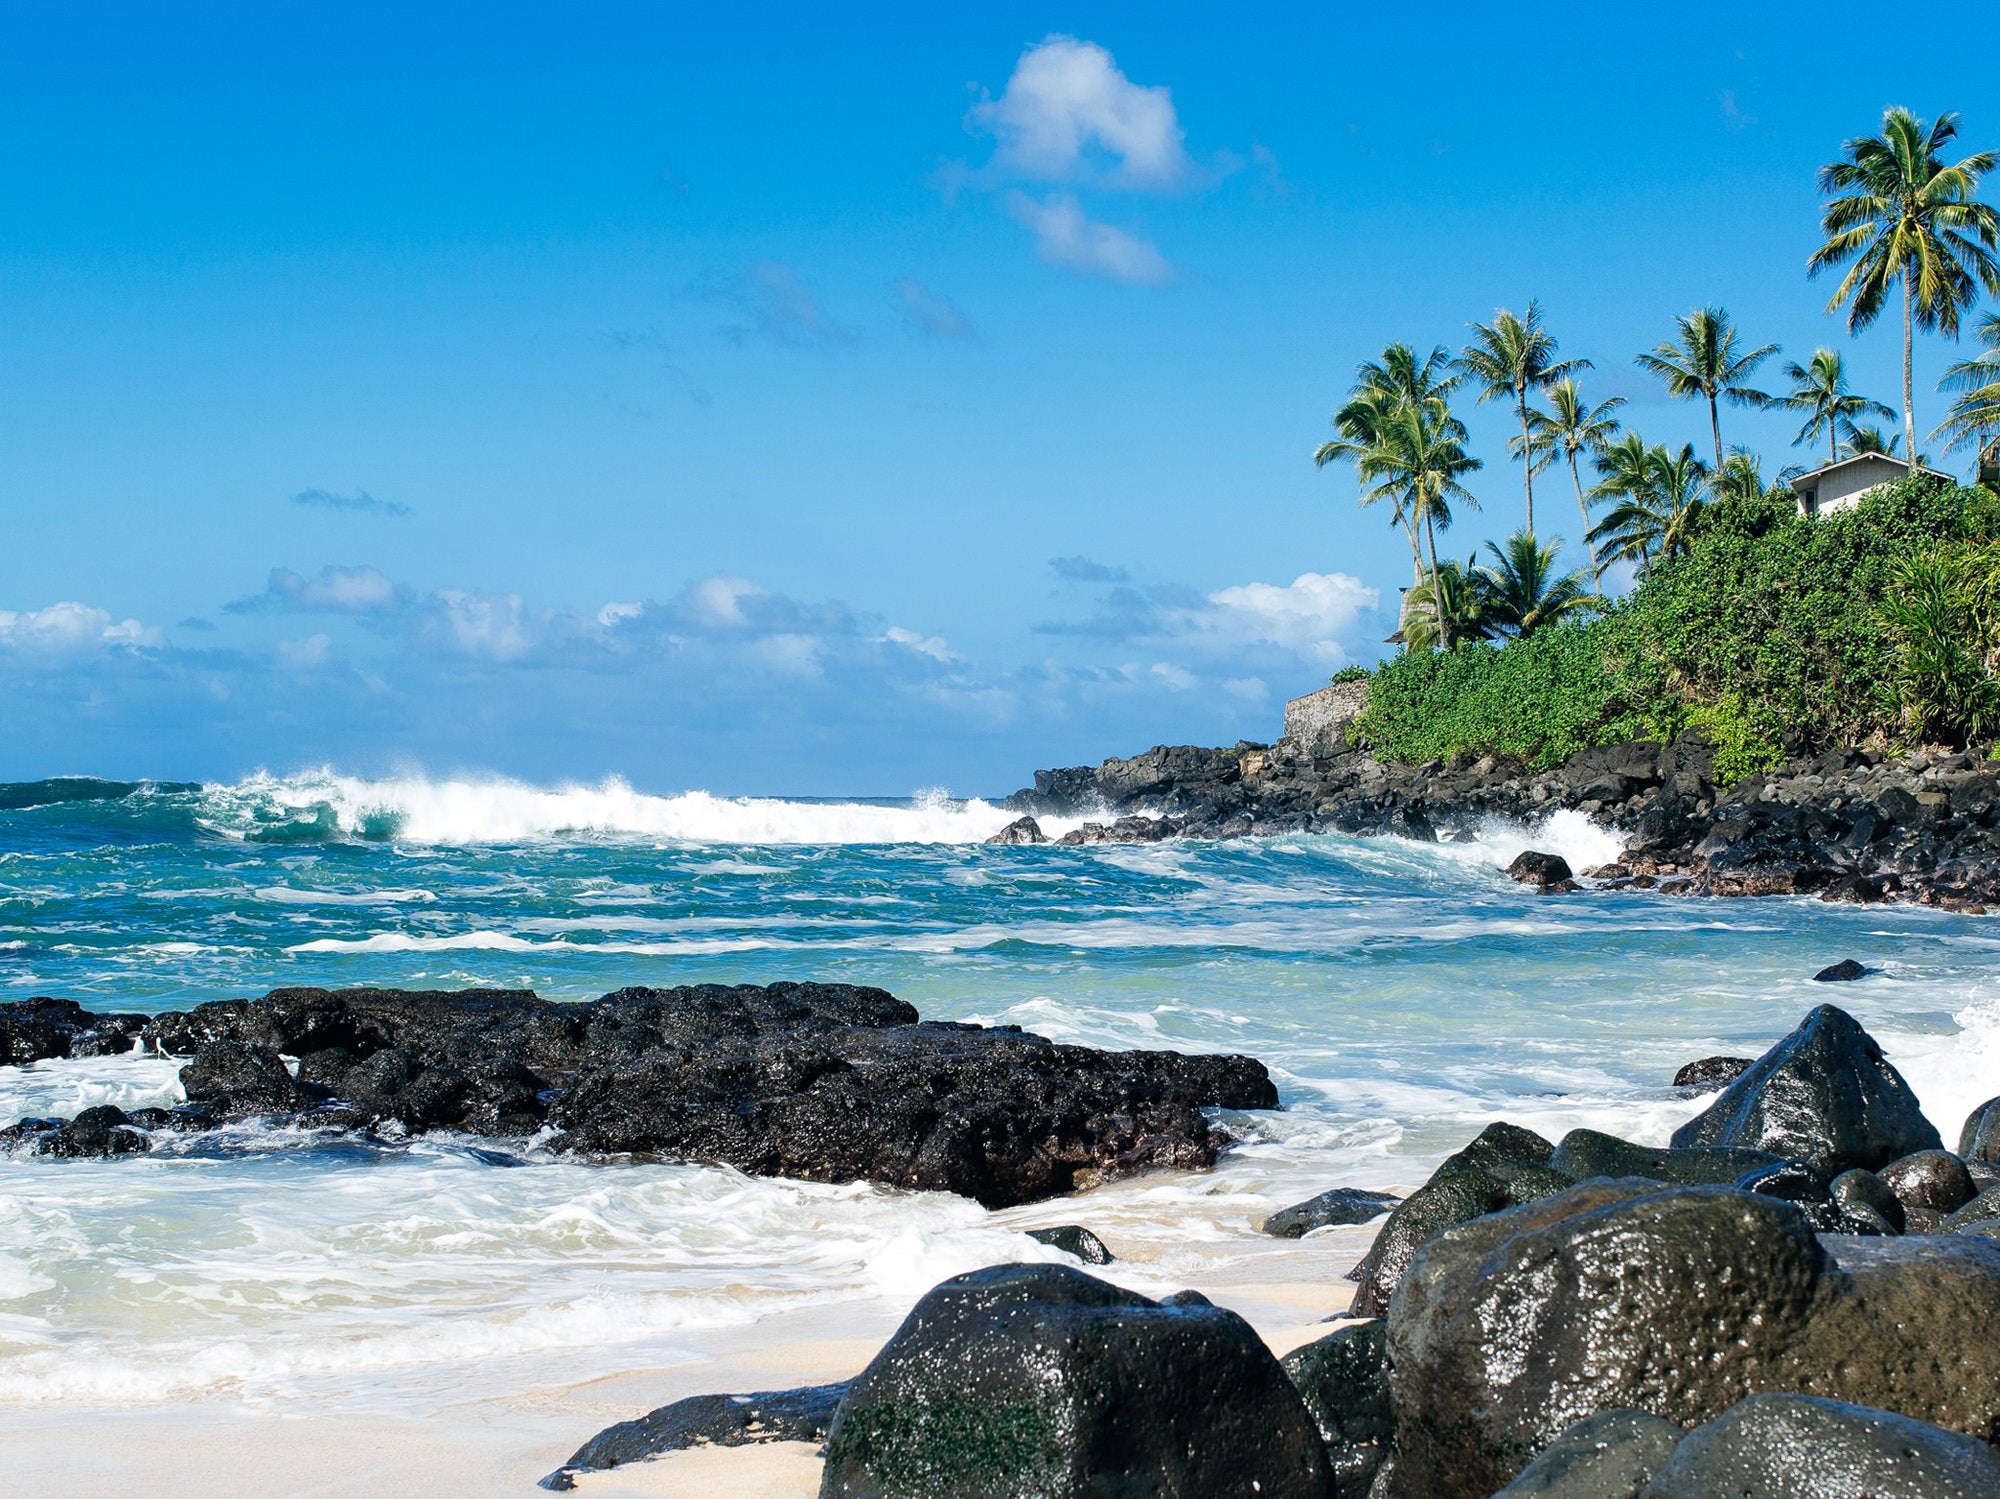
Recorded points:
815,403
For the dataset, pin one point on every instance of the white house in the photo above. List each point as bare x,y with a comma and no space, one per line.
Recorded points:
1841,486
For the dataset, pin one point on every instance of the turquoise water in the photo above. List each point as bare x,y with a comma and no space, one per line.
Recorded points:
1402,995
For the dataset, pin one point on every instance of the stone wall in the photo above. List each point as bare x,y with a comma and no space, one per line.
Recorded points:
1319,720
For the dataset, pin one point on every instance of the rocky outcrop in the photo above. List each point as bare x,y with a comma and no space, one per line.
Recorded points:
802,1415
828,1082
1076,1241
1344,1381
1022,830
44,1029
1824,1095
1679,1302
1849,825
1711,1072
1033,1379
1341,1205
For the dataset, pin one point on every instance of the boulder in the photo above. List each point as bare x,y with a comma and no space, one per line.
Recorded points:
1679,1302
1035,1379
1584,1153
1344,1383
1503,1167
1712,1072
1072,1239
1929,1179
1864,1197
1546,872
1824,1095
1984,1208
105,1130
235,1079
1606,1456
1792,1446
1020,830
1979,1140
1340,1206
1846,971
43,1029
802,1415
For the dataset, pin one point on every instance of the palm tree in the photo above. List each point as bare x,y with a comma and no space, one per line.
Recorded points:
1446,609
1901,215
1975,416
1510,357
1417,462
1819,388
1381,388
1742,478
1523,589
1658,493
1870,439
1572,425
1704,359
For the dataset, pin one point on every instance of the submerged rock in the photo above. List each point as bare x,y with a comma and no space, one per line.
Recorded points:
802,1415
1034,1379
1712,1072
1340,1206
827,1082
1792,1446
1606,1456
1073,1239
1825,1095
1846,971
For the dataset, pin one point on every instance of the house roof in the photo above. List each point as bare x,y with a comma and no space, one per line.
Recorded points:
1834,468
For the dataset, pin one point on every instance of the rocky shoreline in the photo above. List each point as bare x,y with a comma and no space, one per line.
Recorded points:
1791,1301
1851,825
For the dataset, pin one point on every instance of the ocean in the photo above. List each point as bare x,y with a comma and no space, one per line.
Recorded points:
1403,995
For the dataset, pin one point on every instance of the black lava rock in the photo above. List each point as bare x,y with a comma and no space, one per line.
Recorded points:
1712,1072
1034,1379
1678,1302
1930,1179
1546,872
1979,1140
1825,1095
44,1029
828,1082
1606,1456
1790,1446
1846,971
1984,1208
1584,1153
1864,1197
1344,1381
1506,1165
803,1415
101,1131
1340,1206
1020,830
1073,1239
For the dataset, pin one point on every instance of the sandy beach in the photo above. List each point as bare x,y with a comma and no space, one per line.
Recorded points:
502,1442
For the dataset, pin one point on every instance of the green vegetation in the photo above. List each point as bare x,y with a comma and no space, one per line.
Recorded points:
1772,632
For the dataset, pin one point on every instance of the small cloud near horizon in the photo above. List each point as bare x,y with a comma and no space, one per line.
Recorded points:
1086,570
933,316
361,502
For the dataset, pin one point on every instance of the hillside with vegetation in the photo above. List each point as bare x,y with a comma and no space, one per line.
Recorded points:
1707,601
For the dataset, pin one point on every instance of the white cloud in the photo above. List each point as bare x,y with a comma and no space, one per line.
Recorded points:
493,625
719,600
615,614
1249,689
70,629
932,315
1175,677
1068,237
1068,112
302,655
924,645
337,590
1308,615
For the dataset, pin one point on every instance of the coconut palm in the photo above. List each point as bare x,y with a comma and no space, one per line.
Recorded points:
1446,609
1523,589
1381,388
1509,357
1903,217
1742,478
1624,469
1975,416
1819,388
1417,462
1572,426
1705,358
1658,496
1870,439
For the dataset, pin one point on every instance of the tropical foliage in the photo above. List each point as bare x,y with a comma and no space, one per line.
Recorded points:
1974,417
1706,359
1819,389
1511,358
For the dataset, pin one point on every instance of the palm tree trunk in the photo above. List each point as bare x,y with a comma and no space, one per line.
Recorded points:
1527,456
1583,510
1437,609
1909,383
1832,440
1715,427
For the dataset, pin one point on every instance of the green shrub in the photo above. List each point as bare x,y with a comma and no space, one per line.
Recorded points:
1351,674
